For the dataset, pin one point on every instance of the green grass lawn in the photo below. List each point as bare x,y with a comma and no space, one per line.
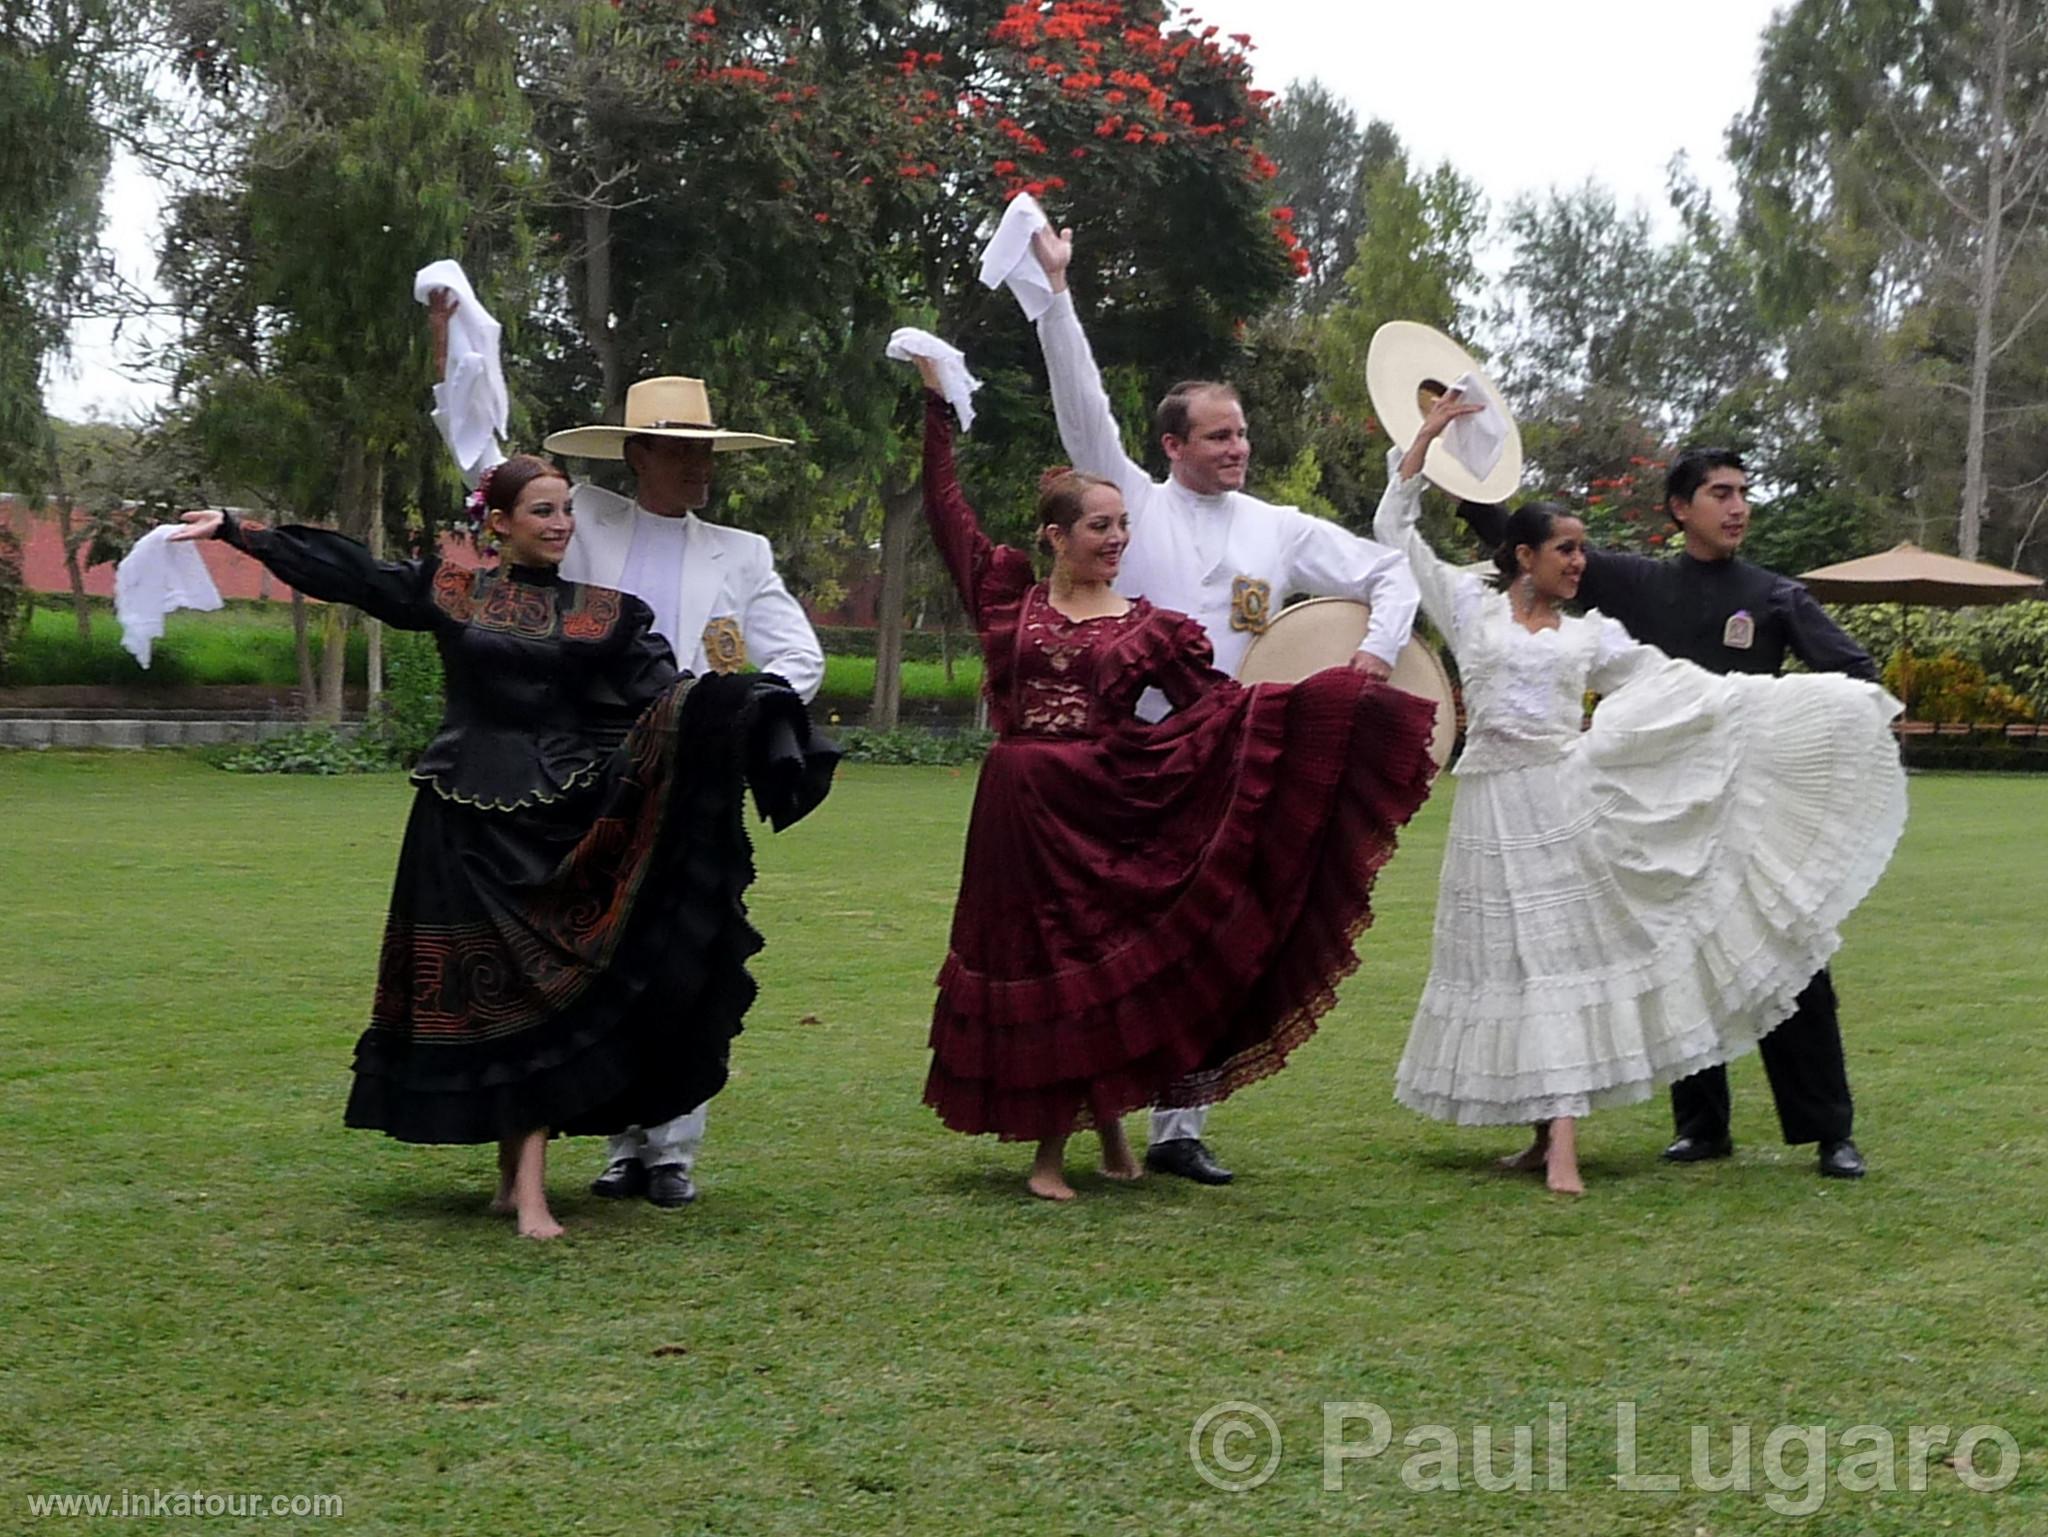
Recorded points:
863,1326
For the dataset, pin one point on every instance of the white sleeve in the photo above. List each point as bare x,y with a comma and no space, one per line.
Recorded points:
1331,562
778,633
1088,428
1620,657
1449,596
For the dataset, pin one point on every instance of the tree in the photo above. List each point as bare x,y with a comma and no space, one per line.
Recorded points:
807,176
1896,160
62,64
368,138
1327,168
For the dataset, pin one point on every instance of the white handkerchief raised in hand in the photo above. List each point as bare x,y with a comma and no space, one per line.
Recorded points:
471,403
956,384
1010,259
1476,441
152,580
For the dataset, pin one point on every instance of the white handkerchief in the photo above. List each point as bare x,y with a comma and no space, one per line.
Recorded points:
1476,441
956,384
1009,258
470,403
155,578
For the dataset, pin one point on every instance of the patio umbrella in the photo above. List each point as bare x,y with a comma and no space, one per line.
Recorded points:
1907,574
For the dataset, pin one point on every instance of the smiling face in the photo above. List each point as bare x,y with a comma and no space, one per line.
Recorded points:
671,476
538,528
1217,451
1092,548
1555,568
1716,518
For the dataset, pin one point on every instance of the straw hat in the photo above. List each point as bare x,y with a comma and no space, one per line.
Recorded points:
1307,637
670,407
1406,368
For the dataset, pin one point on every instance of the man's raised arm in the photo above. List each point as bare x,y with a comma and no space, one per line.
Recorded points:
1088,428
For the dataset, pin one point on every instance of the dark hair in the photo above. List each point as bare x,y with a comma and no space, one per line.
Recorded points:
1533,524
1689,471
1060,491
1173,418
503,482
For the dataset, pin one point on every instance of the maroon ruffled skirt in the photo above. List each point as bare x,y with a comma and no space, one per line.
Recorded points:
1160,915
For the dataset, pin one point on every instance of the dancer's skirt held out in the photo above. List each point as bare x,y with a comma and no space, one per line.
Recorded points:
1651,901
580,963
1160,915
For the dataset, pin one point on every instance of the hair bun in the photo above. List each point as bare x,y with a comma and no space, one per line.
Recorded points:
1053,477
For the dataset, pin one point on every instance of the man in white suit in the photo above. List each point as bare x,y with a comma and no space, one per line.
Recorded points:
717,601
1201,545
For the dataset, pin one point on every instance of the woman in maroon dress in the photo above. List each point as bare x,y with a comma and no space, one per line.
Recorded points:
1148,913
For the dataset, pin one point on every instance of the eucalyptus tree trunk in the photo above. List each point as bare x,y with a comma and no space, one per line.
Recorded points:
1975,491
597,304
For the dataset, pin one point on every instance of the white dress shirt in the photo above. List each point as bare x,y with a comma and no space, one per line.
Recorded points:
1228,561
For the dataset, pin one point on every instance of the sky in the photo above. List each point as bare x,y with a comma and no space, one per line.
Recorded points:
1519,97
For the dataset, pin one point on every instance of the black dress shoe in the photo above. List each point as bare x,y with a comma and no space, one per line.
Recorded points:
669,1186
1698,1149
622,1181
1840,1160
1187,1157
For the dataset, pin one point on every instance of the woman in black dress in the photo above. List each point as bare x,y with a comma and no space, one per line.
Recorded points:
567,940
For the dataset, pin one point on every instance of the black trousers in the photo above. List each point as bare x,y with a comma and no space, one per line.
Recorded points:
1809,1079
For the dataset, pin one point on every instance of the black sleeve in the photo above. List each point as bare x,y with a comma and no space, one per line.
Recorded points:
1817,640
1621,586
644,666
335,569
638,666
1489,520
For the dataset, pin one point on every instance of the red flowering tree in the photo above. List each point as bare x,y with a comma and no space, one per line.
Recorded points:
780,184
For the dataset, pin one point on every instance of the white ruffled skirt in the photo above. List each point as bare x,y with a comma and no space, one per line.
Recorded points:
1652,901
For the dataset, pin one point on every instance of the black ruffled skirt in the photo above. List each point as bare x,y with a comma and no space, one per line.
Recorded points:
581,964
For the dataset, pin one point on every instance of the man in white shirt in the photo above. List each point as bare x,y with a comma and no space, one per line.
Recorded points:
1201,545
717,601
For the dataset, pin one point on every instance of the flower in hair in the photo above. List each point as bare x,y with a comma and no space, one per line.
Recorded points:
477,503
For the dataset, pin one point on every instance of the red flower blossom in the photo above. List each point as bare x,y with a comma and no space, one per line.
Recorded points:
706,17
1004,167
822,218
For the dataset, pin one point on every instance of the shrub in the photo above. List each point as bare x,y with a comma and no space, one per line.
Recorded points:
943,749
2009,642
13,594
307,750
1953,688
409,713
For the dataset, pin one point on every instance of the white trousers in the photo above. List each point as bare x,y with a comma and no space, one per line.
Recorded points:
672,1142
1173,1125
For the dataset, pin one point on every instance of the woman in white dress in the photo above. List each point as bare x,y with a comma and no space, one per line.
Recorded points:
1626,905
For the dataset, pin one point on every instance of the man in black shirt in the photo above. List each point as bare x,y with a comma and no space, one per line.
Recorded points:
1709,606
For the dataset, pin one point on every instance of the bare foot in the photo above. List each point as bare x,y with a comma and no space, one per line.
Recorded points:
541,1225
1562,1162
1118,1161
502,1204
1530,1160
1049,1187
